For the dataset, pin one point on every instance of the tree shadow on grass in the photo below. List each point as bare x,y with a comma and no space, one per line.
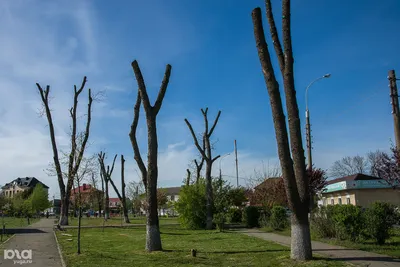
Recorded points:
382,259
164,233
11,231
228,252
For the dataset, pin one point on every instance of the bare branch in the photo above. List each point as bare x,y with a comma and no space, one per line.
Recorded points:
112,166
87,131
205,121
277,110
135,146
163,89
142,87
274,35
44,94
215,124
217,157
195,139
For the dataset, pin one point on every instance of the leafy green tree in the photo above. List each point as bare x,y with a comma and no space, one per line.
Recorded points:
39,199
191,205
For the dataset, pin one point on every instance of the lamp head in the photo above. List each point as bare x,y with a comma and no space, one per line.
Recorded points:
326,75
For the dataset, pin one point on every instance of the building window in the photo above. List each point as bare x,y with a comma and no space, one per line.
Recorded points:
340,201
348,201
332,201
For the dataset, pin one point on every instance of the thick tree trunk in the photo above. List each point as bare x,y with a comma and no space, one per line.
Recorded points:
64,211
123,198
301,240
210,202
294,171
153,238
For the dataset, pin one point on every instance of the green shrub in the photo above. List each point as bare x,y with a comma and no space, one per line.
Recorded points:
191,206
220,220
250,216
265,214
379,219
348,221
278,219
321,222
234,215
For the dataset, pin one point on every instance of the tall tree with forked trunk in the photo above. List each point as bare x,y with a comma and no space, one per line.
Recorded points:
121,196
291,156
76,152
206,154
106,174
149,174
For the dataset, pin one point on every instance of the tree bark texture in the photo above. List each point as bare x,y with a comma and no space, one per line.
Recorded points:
291,155
149,174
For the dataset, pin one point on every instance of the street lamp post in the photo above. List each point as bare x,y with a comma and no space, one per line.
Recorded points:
308,126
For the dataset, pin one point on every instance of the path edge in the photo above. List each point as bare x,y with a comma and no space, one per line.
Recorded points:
59,250
2,243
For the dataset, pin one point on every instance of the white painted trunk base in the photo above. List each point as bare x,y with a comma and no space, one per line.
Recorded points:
301,242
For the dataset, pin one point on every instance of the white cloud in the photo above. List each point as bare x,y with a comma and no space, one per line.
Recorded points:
29,53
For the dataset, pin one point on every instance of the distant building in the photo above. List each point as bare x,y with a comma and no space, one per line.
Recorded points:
172,196
268,193
21,184
360,190
88,196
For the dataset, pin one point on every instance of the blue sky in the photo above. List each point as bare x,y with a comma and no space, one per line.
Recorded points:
211,48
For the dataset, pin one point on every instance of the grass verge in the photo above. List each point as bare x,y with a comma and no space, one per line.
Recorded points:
13,222
390,248
114,221
125,247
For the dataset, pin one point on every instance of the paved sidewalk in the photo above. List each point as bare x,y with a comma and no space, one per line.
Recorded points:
40,238
353,256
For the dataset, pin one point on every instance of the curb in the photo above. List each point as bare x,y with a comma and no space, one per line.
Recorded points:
2,243
59,251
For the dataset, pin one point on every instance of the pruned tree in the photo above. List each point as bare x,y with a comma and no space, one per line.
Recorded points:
199,164
291,156
387,167
206,153
121,196
349,166
106,174
188,174
76,152
149,174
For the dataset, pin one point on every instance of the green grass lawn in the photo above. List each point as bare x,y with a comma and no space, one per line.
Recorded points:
13,222
117,221
125,247
391,247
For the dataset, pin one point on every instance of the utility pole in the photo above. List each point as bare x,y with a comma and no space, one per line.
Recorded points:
237,167
394,97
